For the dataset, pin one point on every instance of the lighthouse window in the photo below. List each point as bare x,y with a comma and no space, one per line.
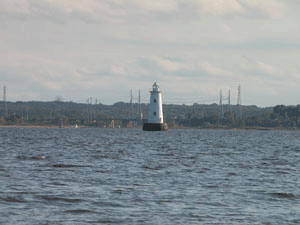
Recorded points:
154,113
155,100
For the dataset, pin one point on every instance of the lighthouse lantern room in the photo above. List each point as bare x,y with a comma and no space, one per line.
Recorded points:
155,114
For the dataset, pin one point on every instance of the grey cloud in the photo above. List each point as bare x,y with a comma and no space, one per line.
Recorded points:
148,64
115,11
189,71
87,75
267,44
261,70
125,48
30,10
56,11
254,12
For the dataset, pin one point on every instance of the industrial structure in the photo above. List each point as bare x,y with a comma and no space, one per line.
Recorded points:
155,115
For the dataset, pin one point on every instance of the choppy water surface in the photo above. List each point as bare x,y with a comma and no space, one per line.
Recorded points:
127,176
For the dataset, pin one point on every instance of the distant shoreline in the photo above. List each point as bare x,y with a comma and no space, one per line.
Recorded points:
36,126
175,128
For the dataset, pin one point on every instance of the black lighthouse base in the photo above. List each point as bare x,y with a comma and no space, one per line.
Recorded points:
155,127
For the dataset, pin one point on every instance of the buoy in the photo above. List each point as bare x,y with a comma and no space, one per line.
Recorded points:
155,114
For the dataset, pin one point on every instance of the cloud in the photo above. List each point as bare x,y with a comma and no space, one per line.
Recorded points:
256,67
171,65
89,11
21,7
213,70
31,78
264,8
220,7
74,48
165,6
266,68
179,68
119,11
247,8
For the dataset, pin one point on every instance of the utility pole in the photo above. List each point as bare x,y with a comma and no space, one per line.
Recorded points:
140,107
91,109
4,101
131,102
229,100
27,110
96,108
139,101
221,104
87,110
239,101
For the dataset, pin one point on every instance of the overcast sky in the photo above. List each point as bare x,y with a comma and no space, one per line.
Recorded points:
77,49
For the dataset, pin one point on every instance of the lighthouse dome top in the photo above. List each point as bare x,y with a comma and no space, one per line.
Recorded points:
155,87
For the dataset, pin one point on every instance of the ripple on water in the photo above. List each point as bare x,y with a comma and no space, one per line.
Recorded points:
13,199
38,157
55,198
79,211
66,166
283,195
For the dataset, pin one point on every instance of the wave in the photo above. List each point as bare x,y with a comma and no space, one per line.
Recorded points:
55,198
79,211
13,199
66,165
283,195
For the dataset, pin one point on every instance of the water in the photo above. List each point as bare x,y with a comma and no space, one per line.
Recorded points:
127,176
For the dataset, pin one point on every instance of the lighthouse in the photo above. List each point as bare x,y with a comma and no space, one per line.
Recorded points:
155,114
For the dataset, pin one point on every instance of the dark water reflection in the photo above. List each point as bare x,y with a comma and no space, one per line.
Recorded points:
124,176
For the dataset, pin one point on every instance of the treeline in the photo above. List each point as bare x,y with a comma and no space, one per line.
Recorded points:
279,117
126,114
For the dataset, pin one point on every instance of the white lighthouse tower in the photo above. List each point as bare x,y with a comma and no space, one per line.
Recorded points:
155,115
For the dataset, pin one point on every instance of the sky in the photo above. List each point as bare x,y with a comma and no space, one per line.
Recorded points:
76,50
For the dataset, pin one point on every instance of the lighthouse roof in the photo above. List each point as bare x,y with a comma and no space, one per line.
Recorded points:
155,87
